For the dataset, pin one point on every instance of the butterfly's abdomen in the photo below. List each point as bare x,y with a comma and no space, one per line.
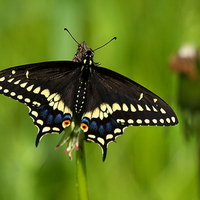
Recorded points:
80,97
82,90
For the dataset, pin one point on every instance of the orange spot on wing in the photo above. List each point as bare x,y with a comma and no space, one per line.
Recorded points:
84,127
66,123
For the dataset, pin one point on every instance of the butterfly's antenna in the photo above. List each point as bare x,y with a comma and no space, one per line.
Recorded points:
71,35
114,38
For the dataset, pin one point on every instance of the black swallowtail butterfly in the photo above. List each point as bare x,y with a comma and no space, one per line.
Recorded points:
78,96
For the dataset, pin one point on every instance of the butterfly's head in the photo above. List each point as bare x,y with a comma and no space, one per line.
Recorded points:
84,54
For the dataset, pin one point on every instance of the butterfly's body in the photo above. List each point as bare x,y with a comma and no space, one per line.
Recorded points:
80,97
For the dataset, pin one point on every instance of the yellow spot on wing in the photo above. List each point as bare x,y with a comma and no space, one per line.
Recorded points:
27,100
154,121
5,90
12,93
34,113
117,130
139,121
46,129
55,129
141,96
20,97
88,115
55,106
155,100
110,111
133,109
23,85
51,97
147,121
37,90
35,103
109,136
39,121
46,93
2,78
95,113
101,115
125,107
67,110
103,107
154,109
173,119
30,88
91,136
162,111
10,80
130,121
61,106
17,82
52,103
101,140
147,108
140,108
57,97
116,107
27,74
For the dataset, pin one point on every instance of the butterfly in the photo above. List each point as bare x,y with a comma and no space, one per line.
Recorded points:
84,100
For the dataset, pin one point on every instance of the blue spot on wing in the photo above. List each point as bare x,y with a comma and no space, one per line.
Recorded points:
58,118
93,126
44,113
67,116
109,127
100,127
101,130
85,120
49,119
113,123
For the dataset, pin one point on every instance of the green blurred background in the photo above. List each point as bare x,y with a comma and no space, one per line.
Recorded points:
146,163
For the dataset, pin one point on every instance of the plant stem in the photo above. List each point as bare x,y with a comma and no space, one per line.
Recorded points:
81,173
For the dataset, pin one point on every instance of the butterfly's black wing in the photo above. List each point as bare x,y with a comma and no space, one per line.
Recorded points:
48,89
84,97
115,102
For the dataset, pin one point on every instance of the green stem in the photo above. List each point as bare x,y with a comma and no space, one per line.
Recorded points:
81,173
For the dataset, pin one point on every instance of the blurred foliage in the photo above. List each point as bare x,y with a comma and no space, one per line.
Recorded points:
146,163
186,64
